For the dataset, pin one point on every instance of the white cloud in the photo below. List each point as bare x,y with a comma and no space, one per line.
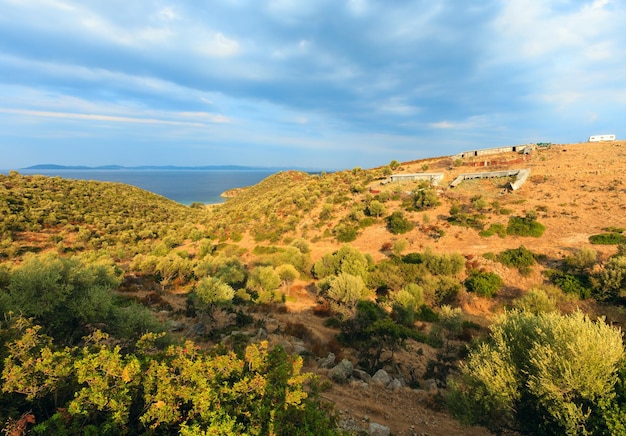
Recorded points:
97,117
219,45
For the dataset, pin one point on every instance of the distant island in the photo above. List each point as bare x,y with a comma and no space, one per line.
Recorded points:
151,167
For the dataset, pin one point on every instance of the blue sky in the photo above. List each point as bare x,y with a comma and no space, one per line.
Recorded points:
302,83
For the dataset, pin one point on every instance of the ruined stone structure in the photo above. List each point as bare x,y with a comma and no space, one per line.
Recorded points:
522,176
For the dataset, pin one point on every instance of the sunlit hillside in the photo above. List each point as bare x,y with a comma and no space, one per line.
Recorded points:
129,313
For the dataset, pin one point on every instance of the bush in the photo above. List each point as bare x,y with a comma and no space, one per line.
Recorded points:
397,224
535,301
571,283
485,284
520,258
542,374
493,229
607,238
525,226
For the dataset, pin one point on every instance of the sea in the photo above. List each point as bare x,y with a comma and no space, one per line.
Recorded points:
183,186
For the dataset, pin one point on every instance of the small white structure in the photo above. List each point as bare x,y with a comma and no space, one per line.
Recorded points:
433,178
598,138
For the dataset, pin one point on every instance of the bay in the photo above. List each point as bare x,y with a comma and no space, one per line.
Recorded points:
183,186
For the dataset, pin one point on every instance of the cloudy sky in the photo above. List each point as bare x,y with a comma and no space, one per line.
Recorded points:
303,83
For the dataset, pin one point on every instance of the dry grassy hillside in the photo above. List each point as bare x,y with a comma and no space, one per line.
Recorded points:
576,190
163,251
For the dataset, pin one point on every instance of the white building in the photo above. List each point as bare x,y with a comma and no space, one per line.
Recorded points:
598,138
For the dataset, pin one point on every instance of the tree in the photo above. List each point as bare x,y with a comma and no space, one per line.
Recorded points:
211,291
346,290
397,223
375,208
288,274
542,374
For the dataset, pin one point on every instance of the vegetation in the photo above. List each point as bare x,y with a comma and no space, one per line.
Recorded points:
544,374
485,284
92,275
525,226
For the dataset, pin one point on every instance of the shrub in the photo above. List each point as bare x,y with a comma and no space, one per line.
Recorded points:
493,229
525,226
607,238
571,283
542,374
485,284
346,232
535,301
520,258
398,224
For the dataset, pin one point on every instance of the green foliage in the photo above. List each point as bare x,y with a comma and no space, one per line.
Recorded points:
63,294
485,284
98,389
424,197
525,226
372,333
263,278
375,208
542,374
346,260
535,301
211,291
520,258
575,284
398,224
345,291
443,264
610,283
583,260
494,229
612,238
346,232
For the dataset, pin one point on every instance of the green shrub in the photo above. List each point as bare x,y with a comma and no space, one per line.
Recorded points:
493,229
485,284
525,226
346,232
535,301
520,258
543,374
571,283
607,238
398,224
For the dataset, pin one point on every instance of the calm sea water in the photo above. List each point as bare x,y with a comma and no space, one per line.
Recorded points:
182,186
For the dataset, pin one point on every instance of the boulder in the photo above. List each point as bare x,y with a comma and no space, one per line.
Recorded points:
177,326
359,374
395,384
342,371
381,377
378,430
327,362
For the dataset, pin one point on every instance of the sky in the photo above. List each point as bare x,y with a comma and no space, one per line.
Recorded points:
324,84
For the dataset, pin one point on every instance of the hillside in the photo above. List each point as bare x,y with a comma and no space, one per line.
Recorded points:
280,246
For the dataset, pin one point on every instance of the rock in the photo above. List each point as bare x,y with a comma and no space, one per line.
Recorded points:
359,374
342,371
196,330
395,384
301,350
378,430
381,377
327,362
177,326
430,385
